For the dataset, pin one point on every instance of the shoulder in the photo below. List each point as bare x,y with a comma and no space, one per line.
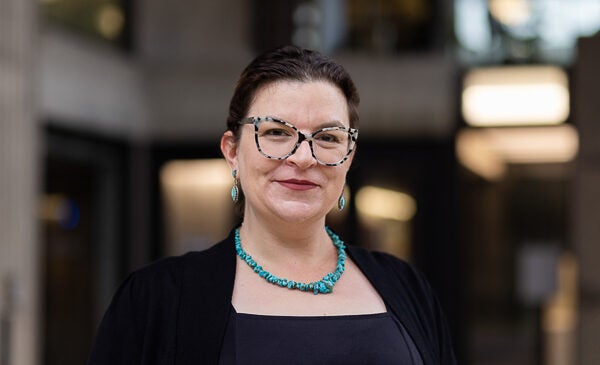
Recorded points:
411,298
172,271
154,292
154,303
379,261
393,276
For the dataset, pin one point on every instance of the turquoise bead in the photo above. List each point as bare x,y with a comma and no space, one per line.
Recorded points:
322,286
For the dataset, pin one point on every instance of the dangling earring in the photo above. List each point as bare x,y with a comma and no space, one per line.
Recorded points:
235,190
341,202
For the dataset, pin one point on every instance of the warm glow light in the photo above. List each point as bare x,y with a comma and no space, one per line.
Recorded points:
196,202
377,202
535,145
196,173
50,206
61,210
474,152
560,314
517,95
510,12
486,151
110,21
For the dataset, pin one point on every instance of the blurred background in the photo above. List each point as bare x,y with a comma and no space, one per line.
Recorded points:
478,158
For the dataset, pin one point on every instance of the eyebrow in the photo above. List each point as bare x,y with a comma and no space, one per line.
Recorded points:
332,123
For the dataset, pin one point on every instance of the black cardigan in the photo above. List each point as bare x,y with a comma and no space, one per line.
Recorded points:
175,311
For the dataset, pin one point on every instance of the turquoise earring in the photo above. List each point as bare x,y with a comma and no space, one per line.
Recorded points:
235,190
341,202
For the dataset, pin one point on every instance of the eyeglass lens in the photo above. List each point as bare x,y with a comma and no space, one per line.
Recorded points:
278,140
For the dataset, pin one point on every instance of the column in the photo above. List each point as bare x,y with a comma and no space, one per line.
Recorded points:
585,208
19,293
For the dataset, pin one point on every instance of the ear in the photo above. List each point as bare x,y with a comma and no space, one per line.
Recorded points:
229,148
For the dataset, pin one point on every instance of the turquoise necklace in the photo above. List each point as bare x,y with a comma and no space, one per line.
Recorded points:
323,286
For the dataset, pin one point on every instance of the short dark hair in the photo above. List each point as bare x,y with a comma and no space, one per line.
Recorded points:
289,63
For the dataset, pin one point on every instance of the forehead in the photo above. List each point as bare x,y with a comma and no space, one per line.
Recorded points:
304,104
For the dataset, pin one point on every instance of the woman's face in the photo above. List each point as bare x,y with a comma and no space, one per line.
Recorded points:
297,188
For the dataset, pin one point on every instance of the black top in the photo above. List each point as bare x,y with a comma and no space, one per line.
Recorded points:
176,310
320,340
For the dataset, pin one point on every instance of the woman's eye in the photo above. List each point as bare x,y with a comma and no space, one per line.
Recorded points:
331,138
277,132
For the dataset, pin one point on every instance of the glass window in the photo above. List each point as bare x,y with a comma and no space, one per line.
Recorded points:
102,19
391,26
523,30
387,26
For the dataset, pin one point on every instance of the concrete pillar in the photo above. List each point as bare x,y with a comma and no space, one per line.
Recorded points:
19,250
585,226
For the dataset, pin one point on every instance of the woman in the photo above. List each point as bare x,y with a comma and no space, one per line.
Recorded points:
282,288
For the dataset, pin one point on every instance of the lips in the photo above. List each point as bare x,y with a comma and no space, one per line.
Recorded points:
296,184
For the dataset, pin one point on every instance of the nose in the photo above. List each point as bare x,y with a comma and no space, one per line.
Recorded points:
302,157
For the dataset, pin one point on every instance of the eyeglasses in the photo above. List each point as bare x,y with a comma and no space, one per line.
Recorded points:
277,139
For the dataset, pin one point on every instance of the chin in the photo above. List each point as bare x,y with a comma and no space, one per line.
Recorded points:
293,211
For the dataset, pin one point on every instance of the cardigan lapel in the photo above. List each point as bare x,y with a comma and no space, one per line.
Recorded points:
397,296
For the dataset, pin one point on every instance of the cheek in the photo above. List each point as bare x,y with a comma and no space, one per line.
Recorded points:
337,180
254,168
247,153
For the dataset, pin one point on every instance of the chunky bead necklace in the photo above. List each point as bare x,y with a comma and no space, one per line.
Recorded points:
323,286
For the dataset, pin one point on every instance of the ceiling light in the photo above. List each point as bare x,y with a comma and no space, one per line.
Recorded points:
487,151
196,173
515,95
474,152
110,21
510,12
535,145
375,202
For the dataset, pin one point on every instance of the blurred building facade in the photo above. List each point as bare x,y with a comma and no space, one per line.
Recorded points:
103,130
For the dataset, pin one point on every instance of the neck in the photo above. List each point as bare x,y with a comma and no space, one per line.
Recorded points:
284,241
